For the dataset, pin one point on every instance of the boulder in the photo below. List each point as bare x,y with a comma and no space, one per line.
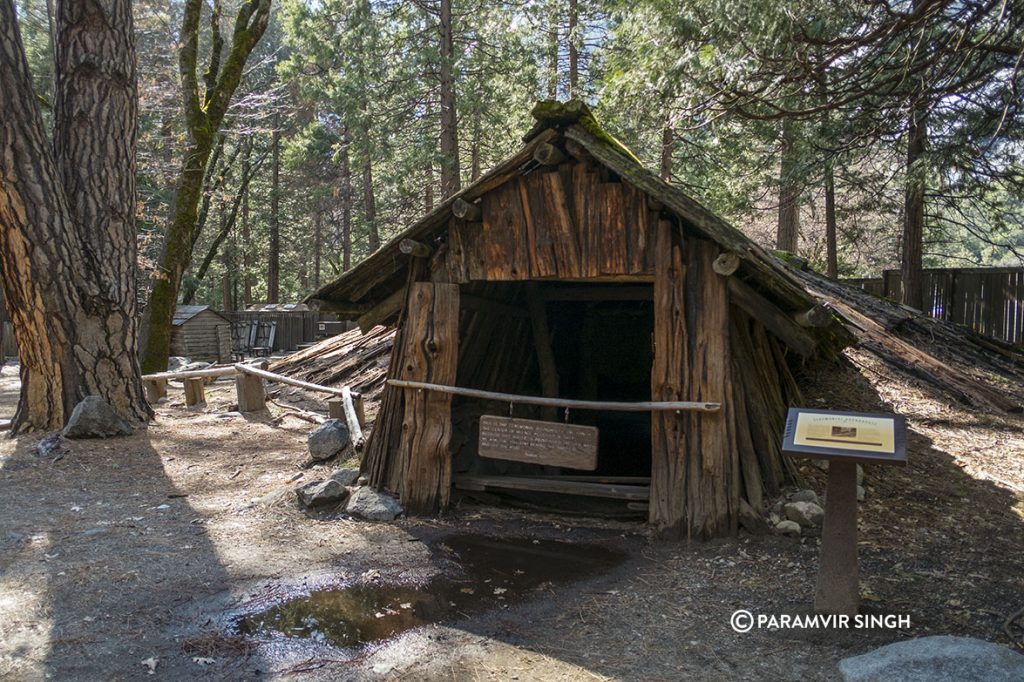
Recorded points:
860,493
328,439
95,418
787,528
804,496
369,504
942,657
176,362
320,493
807,514
346,476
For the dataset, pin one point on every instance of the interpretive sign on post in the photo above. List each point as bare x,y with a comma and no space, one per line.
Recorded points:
870,438
538,442
846,439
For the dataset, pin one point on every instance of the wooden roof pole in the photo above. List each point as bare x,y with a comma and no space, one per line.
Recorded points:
611,406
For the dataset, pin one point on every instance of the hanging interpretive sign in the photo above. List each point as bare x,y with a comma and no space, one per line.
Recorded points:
538,442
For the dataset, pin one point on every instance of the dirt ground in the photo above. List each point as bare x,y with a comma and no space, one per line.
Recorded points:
120,552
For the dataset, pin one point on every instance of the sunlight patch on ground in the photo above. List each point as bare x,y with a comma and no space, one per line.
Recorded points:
25,623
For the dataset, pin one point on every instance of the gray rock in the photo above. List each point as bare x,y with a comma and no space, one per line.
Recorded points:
363,480
943,657
176,362
860,475
807,514
346,476
320,493
787,528
95,418
369,504
804,496
821,464
328,439
860,493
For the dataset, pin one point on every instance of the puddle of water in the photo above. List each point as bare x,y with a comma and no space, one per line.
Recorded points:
496,573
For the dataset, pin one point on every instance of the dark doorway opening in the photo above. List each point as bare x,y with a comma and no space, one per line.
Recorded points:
600,337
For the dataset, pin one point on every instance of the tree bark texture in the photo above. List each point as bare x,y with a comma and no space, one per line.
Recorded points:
911,264
831,251
667,147
450,165
574,53
695,476
67,216
204,114
370,205
274,256
788,233
346,204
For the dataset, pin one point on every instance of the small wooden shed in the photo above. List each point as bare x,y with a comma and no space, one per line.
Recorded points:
200,333
572,276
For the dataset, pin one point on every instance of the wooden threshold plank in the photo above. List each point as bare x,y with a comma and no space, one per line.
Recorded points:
612,491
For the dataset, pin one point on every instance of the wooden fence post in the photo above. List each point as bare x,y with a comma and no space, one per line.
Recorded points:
155,390
336,408
195,392
252,397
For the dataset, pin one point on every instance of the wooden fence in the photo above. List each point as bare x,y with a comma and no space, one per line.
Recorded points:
988,300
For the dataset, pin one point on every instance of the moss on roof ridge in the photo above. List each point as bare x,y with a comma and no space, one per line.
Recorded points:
554,114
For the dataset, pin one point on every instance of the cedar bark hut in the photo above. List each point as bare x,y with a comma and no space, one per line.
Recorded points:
204,113
67,215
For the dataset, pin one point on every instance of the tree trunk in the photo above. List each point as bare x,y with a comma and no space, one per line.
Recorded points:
913,213
370,204
204,114
574,55
246,246
450,165
831,254
346,205
474,154
667,146
553,50
787,236
274,257
67,216
318,220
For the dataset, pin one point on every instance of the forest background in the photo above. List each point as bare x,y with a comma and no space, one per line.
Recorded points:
796,121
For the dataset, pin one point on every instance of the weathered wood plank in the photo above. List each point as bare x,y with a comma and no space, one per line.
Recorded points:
540,485
693,477
612,219
504,233
539,228
431,354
